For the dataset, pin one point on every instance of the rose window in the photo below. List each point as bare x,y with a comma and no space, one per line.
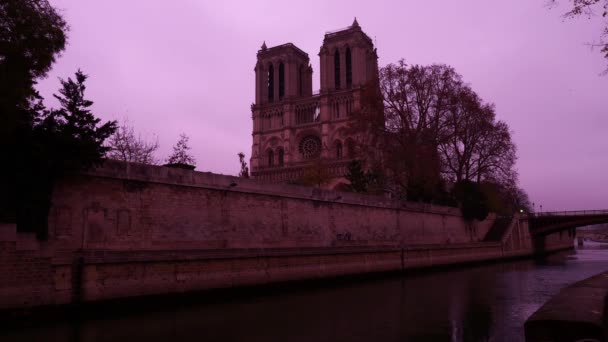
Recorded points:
310,146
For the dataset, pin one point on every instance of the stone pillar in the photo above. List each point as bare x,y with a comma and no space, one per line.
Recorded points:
323,69
258,83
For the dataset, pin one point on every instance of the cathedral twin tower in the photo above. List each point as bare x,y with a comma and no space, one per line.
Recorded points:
294,128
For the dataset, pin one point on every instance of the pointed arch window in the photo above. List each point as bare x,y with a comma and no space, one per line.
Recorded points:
270,158
349,69
281,81
337,69
270,83
339,150
281,157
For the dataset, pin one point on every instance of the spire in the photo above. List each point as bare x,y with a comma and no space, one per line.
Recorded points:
355,23
264,46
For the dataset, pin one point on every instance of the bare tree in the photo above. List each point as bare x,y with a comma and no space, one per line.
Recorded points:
590,9
425,126
127,146
407,114
473,145
181,154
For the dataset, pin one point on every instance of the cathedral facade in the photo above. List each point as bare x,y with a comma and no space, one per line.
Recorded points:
295,129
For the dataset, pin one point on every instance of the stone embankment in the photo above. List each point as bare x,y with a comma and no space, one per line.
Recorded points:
576,313
127,230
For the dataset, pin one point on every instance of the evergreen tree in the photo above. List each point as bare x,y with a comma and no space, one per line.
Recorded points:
65,141
32,34
181,154
357,177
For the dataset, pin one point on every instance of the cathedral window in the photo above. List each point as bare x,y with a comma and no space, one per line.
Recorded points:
270,158
281,81
339,150
335,109
268,120
281,157
349,106
349,69
307,113
350,148
271,83
310,147
337,69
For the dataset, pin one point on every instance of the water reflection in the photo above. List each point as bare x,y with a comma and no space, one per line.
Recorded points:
485,303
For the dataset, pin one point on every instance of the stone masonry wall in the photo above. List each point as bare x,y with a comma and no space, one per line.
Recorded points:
128,230
129,206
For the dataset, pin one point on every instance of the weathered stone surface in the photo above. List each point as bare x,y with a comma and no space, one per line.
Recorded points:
576,313
128,230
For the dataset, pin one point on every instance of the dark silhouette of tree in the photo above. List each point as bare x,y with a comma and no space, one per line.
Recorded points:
472,200
425,128
358,179
364,181
181,154
473,145
65,141
591,9
244,173
32,33
125,145
406,115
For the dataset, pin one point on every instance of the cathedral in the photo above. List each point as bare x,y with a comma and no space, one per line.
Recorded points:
294,128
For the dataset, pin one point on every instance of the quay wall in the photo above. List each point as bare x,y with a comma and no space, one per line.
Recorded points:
127,230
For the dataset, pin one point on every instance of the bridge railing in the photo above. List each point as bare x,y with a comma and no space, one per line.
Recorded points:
570,213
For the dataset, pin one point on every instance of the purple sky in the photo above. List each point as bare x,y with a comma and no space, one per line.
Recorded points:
187,66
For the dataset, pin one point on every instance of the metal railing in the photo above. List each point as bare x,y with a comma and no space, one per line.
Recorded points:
570,213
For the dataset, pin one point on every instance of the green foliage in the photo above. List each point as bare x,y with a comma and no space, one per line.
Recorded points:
72,134
63,141
32,34
358,179
370,181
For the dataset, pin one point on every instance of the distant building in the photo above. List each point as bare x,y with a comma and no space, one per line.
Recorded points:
294,128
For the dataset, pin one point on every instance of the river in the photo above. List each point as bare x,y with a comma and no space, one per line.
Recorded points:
480,303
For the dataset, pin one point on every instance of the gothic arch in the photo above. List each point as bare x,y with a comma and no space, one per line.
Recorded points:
270,82
280,156
272,143
337,70
339,133
349,67
281,80
350,148
337,150
269,155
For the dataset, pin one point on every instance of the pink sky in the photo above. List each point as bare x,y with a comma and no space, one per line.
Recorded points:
187,66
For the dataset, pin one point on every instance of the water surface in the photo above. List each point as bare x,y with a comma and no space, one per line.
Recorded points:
482,303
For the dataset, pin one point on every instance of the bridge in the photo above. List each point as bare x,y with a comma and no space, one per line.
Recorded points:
545,223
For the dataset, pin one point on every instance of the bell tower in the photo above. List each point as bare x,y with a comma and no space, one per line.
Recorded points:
348,59
282,72
297,132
